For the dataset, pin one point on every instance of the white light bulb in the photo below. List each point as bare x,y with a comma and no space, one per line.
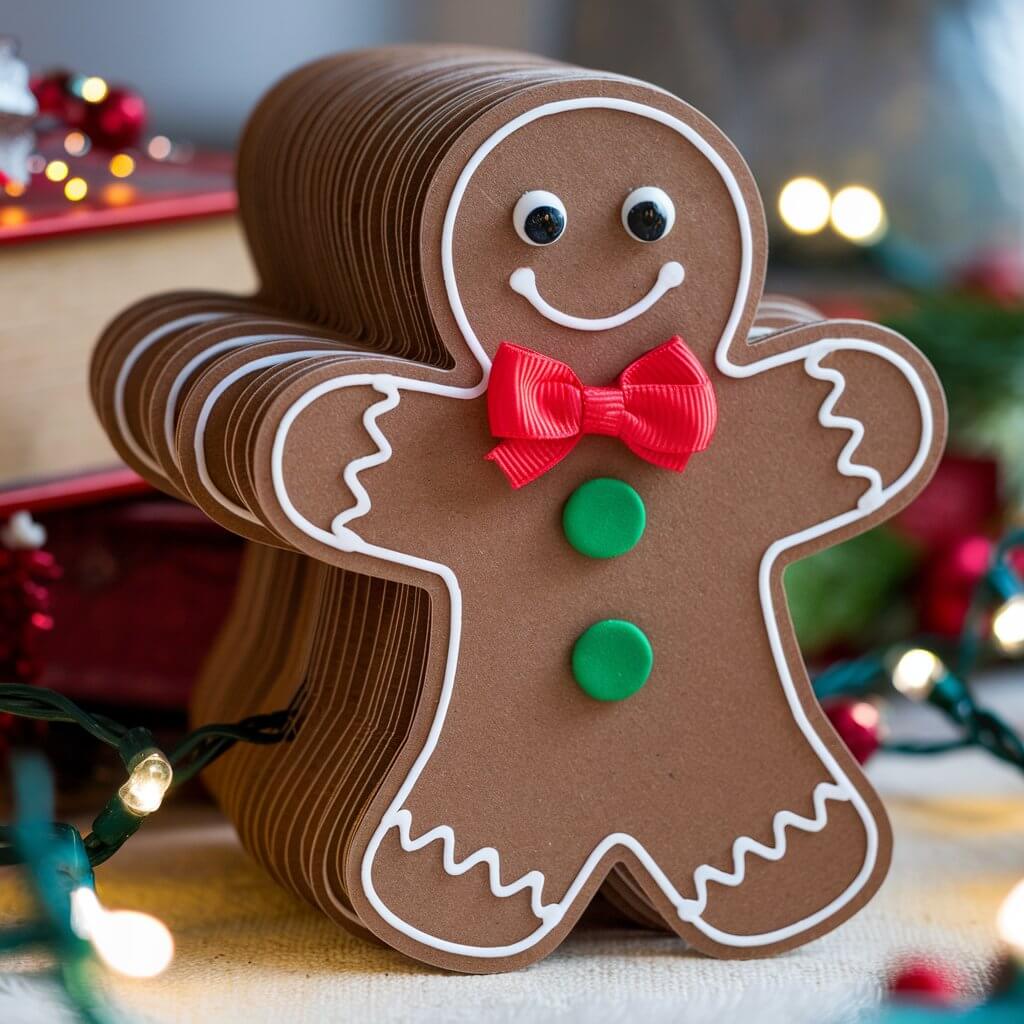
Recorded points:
1008,625
804,205
131,943
1010,919
916,672
150,779
858,214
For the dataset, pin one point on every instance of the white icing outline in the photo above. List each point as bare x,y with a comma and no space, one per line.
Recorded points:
135,353
179,382
206,410
343,538
524,282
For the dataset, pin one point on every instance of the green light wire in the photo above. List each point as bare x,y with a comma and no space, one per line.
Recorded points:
978,727
116,823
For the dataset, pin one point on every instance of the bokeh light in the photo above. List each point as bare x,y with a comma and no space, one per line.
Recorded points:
76,144
76,189
94,89
858,214
159,147
56,170
121,165
804,205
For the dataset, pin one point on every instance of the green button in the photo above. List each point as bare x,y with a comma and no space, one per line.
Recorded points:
612,660
604,518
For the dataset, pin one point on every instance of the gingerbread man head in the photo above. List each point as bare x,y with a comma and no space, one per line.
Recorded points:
481,269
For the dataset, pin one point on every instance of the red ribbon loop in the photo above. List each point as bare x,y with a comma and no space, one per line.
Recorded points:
662,407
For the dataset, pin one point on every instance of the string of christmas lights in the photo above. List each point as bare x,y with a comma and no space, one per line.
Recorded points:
937,673
151,772
58,863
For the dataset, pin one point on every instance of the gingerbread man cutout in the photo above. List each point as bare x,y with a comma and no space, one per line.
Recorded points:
608,678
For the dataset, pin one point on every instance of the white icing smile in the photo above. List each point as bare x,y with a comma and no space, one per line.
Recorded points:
524,282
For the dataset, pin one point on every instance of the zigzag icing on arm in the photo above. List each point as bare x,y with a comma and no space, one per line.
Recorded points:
690,910
383,453
532,880
872,497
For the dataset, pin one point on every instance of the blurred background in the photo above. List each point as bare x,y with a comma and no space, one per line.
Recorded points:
923,102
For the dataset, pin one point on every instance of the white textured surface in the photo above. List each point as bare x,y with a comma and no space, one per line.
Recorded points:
248,952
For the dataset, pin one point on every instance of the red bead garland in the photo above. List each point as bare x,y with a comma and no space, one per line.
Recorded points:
24,611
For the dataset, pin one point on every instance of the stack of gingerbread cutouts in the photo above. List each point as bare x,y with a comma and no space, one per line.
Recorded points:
522,451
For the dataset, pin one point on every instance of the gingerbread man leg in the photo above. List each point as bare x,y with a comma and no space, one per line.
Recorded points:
726,868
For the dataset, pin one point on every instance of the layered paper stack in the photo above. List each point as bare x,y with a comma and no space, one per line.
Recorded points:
522,451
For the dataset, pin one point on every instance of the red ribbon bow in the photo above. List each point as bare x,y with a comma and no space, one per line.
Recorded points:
662,407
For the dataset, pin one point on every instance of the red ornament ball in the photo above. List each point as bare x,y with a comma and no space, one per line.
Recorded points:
857,723
996,274
51,91
55,98
117,121
923,982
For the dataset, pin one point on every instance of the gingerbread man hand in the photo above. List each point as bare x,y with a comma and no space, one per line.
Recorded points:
595,462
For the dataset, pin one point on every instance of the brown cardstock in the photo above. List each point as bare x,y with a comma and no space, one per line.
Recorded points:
464,805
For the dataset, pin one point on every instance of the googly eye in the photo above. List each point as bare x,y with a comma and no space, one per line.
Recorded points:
648,214
539,217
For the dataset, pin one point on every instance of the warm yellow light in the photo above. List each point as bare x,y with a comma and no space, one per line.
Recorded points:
121,165
118,194
916,672
159,147
1010,919
76,189
858,214
12,217
1008,625
804,205
94,89
14,189
150,779
56,170
76,144
134,944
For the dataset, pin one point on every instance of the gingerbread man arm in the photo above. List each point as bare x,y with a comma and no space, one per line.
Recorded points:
848,421
335,460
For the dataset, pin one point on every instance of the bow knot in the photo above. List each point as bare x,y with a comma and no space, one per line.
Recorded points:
662,407
604,410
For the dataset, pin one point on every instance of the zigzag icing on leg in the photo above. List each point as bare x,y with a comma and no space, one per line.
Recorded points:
872,497
745,846
532,880
688,909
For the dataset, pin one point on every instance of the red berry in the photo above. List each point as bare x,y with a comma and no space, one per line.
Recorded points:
857,723
921,981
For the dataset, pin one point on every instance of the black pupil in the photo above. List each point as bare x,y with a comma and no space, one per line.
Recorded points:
544,224
646,221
